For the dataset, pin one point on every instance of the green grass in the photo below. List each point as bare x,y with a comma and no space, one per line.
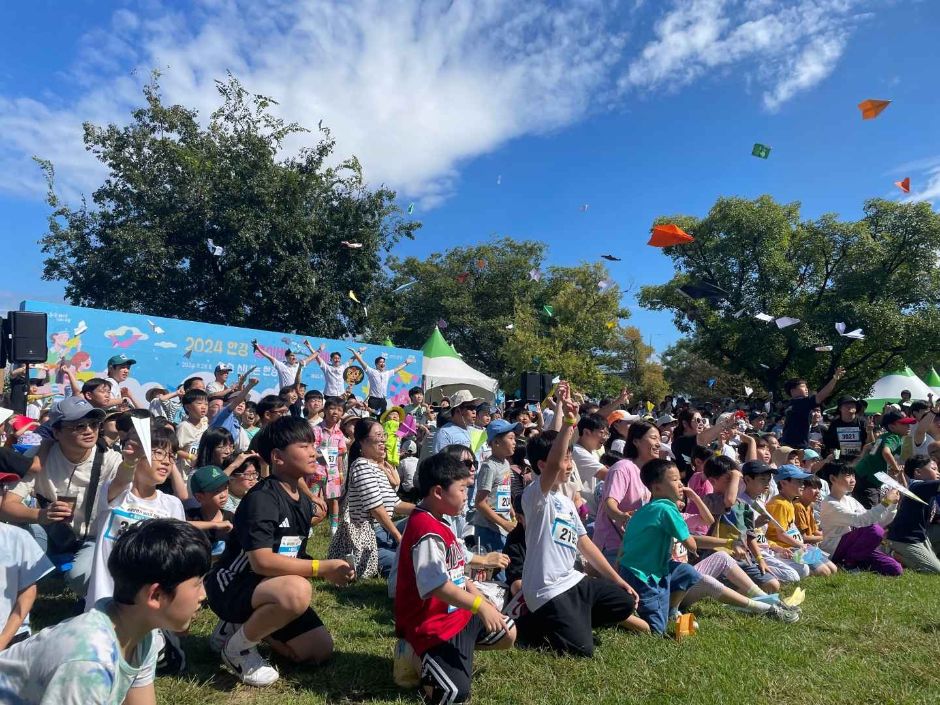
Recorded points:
862,639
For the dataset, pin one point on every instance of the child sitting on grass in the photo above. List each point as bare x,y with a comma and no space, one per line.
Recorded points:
851,534
804,511
438,612
564,605
261,582
209,486
100,657
782,508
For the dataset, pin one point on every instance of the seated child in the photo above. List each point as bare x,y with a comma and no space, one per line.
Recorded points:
782,508
851,534
804,511
23,563
438,612
243,471
907,534
564,605
734,522
699,484
261,582
157,567
209,487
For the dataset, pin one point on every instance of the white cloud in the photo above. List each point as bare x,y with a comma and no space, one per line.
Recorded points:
789,46
925,179
414,89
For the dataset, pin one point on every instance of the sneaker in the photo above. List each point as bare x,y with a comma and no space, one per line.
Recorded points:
220,635
250,667
782,614
171,659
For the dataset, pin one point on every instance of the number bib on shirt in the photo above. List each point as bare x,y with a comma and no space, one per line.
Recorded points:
119,521
503,500
564,534
795,534
458,578
330,454
290,546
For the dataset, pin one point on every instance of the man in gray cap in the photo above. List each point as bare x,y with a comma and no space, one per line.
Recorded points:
463,406
66,489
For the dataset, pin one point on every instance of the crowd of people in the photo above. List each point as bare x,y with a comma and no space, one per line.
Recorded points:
526,526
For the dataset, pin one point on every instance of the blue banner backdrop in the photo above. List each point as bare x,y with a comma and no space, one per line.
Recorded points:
169,351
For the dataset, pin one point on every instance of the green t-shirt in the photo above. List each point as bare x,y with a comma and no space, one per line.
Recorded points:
874,462
647,543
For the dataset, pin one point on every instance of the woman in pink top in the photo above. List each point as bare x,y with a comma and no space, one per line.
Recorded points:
624,493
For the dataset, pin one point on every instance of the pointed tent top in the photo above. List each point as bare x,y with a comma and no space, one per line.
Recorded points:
436,346
904,372
388,343
933,379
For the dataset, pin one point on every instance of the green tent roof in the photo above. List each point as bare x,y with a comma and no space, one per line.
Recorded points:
436,346
933,379
388,342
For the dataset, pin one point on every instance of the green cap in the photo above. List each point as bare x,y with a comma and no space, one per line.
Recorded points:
121,359
208,479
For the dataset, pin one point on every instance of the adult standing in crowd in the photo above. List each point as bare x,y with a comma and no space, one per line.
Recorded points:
463,407
379,377
848,433
286,370
334,386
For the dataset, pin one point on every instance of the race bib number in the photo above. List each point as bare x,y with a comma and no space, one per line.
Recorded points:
290,546
680,553
850,439
795,534
458,578
119,521
503,501
564,534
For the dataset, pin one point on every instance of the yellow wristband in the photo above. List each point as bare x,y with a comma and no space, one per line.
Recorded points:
476,604
730,543
315,567
571,422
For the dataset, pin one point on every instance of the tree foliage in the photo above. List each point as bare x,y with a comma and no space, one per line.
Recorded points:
479,291
141,246
879,273
689,373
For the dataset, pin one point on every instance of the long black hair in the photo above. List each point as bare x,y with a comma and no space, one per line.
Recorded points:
360,432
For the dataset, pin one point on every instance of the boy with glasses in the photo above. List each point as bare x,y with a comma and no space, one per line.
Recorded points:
66,489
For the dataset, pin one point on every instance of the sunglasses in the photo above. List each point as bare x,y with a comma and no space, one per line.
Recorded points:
82,426
469,463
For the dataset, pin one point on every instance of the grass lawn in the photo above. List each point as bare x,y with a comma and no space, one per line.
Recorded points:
862,639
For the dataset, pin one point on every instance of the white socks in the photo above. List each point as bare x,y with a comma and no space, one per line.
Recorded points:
238,642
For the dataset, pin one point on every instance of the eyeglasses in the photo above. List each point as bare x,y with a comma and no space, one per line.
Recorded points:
247,476
280,412
159,455
375,439
698,420
226,444
82,426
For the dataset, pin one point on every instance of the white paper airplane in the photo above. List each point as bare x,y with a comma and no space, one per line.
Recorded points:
80,329
510,326
763,317
142,426
853,334
214,249
351,245
748,390
823,348
786,322
535,275
403,287
156,329
886,479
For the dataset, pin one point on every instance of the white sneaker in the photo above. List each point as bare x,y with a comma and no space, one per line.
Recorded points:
783,614
250,667
223,630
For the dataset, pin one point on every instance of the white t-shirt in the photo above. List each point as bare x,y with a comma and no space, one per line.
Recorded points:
24,564
214,387
333,383
126,510
60,476
552,530
286,374
378,381
75,662
189,435
115,386
587,465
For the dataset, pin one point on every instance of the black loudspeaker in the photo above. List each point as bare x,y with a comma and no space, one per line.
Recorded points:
4,343
28,336
534,387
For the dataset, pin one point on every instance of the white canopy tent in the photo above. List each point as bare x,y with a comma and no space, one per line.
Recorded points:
887,390
445,372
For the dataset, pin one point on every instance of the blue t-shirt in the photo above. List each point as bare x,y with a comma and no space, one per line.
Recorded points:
647,542
451,434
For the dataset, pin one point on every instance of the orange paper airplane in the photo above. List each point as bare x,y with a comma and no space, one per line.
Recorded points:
904,185
872,108
668,235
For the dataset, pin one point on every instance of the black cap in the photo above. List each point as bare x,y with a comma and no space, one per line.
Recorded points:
757,467
893,417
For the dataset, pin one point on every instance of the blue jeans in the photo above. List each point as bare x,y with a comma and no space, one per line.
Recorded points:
387,549
654,596
78,575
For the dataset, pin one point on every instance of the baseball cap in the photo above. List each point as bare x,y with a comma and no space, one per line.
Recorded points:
896,417
791,472
485,408
121,359
19,422
74,409
463,396
208,478
223,367
665,420
621,415
409,446
501,426
810,454
756,467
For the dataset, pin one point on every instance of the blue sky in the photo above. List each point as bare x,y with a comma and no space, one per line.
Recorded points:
638,109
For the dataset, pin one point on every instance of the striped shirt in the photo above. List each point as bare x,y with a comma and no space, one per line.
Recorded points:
368,488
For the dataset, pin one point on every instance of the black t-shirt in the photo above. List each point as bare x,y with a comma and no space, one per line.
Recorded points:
910,524
214,535
267,517
796,424
682,448
515,549
847,436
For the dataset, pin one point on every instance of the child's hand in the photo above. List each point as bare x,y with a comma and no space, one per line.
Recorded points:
891,497
738,552
495,559
624,585
783,551
493,620
337,572
223,525
132,452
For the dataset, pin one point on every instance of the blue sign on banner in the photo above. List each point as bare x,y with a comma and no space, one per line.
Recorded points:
169,351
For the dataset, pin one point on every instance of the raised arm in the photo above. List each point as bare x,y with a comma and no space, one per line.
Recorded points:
623,398
824,393
264,353
355,354
554,465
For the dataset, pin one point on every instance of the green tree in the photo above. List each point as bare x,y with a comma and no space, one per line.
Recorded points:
688,372
141,246
496,317
879,273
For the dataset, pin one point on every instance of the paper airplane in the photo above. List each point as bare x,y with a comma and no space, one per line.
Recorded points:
786,322
499,179
611,258
510,326
550,310
872,108
889,481
766,367
350,245
611,325
556,379
823,348
406,285
763,317
142,426
795,599
761,151
904,184
603,284
411,208
584,208
711,383
5,414
214,249
669,235
155,328
81,328
748,391
352,295
535,275
856,334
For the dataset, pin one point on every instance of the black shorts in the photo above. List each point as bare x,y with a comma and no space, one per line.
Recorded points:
448,667
565,623
233,604
377,404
